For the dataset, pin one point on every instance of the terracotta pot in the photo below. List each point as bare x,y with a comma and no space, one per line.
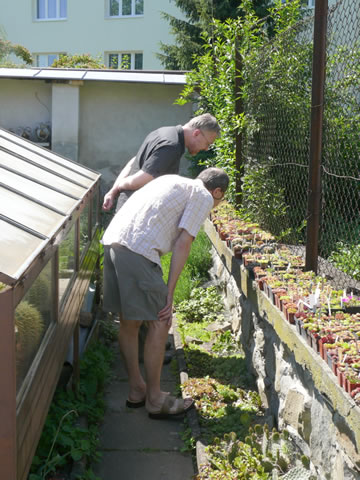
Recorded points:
350,386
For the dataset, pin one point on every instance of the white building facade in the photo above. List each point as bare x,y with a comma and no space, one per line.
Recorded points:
121,33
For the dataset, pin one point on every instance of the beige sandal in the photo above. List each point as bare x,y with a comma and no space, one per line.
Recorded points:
172,407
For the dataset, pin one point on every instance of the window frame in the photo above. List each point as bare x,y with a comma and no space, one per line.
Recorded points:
108,55
46,17
133,13
46,54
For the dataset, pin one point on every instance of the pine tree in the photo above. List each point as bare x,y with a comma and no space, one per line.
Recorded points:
198,17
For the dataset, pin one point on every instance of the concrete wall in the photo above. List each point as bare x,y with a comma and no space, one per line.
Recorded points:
121,116
88,29
100,124
24,103
298,389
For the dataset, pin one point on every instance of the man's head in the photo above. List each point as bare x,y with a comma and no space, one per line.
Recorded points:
216,181
200,132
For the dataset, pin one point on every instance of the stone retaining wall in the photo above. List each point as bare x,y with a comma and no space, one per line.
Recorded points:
298,389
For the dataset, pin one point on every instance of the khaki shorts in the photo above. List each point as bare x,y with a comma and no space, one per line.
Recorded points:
133,285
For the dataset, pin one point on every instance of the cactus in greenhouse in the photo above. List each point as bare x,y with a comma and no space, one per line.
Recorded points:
29,328
39,293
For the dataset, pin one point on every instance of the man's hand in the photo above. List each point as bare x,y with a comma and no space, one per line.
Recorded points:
166,313
109,199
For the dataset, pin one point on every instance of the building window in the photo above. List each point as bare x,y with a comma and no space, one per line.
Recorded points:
126,60
51,9
44,60
126,8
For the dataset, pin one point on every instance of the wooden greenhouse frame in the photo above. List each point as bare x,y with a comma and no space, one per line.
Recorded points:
47,200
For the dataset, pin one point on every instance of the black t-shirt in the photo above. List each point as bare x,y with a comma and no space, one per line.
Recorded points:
159,154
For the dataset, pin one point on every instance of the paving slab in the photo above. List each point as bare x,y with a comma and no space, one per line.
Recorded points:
150,465
135,430
135,447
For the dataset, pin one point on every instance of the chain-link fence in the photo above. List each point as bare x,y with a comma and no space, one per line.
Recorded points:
277,150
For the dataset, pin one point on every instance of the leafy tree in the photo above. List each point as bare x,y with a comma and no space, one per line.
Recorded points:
7,48
78,61
211,86
199,18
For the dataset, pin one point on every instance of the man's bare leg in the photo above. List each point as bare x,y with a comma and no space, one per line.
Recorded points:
129,346
153,360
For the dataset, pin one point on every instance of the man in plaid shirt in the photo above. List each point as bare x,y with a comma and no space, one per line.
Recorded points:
163,216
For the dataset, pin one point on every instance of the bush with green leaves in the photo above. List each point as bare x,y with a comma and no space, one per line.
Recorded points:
84,60
63,440
196,269
347,258
204,304
7,48
271,112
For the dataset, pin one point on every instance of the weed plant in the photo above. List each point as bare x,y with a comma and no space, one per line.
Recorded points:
63,441
196,268
230,413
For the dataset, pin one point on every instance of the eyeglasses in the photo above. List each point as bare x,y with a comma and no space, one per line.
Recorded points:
207,140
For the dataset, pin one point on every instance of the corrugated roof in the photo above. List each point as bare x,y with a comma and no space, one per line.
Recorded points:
138,76
39,190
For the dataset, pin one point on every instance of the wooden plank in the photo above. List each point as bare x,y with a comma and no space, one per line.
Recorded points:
7,387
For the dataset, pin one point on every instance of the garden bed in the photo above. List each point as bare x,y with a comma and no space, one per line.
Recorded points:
233,437
296,385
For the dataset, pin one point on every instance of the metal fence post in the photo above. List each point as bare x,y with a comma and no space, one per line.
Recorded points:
317,109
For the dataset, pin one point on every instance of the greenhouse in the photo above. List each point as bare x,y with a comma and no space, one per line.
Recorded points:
49,237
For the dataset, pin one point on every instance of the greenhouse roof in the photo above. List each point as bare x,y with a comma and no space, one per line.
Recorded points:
39,190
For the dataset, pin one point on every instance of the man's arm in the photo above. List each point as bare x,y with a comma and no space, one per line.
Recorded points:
126,182
126,170
180,254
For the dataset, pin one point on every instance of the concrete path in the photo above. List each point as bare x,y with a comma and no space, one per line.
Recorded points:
133,446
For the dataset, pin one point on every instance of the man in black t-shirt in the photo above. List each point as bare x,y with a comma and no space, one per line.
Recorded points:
160,154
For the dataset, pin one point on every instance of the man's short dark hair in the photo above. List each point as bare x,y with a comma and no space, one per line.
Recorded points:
214,177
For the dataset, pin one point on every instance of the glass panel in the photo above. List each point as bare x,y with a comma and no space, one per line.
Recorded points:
126,7
30,214
41,61
45,153
52,9
40,8
138,61
95,212
114,8
63,8
44,162
66,261
33,316
38,174
17,248
125,61
139,7
46,195
84,229
51,59
113,60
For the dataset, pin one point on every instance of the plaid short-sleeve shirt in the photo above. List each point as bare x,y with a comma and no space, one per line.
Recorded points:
151,220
